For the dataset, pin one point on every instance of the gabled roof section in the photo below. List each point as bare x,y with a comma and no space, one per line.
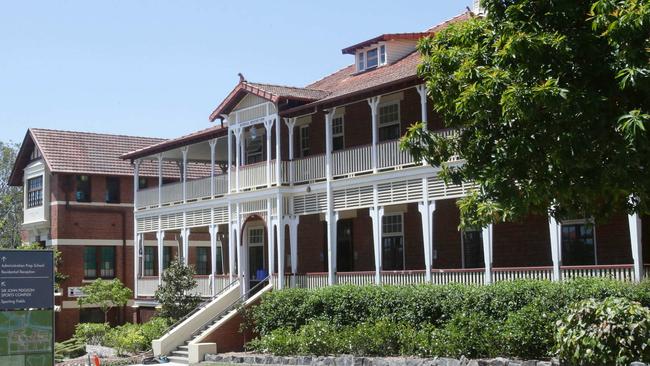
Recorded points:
384,37
80,153
272,93
194,137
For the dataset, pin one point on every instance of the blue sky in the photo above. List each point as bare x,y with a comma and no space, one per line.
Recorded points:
158,68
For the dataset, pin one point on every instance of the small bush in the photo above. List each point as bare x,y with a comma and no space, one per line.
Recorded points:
470,334
381,338
133,338
91,333
614,331
280,342
529,332
319,338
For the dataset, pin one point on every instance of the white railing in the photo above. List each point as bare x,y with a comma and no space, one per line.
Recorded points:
309,169
353,160
202,286
172,192
221,184
355,278
254,175
221,281
147,286
147,197
518,273
621,272
389,154
403,277
473,276
198,188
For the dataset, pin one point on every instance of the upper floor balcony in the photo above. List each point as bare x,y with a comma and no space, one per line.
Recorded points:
345,163
256,148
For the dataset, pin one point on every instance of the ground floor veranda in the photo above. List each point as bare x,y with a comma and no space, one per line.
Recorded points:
396,252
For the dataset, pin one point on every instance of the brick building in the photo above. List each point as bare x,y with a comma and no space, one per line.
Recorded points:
79,199
308,184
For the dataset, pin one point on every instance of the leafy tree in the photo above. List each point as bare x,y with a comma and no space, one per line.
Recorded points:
551,100
11,199
175,295
59,277
105,294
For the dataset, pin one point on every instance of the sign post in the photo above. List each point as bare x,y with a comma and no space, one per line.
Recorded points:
26,307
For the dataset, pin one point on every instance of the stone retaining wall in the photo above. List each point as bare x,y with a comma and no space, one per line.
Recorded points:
260,359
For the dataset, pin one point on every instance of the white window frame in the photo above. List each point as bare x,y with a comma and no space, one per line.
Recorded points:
581,222
338,134
362,57
28,190
384,234
301,142
399,119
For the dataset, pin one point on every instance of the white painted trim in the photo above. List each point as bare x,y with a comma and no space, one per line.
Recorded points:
118,242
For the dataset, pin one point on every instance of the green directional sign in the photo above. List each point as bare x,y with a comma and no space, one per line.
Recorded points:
26,338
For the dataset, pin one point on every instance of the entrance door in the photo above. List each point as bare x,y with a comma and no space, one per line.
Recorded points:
256,269
344,247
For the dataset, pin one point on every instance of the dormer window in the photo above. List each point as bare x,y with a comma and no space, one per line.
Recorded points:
371,58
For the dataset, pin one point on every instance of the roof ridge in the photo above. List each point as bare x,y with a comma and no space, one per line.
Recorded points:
446,21
285,86
94,133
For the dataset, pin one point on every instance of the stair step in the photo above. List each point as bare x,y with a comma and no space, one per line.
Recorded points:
183,348
181,353
179,359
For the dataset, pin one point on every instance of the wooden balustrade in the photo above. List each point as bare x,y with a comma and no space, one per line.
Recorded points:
253,175
147,197
355,278
621,272
198,188
403,277
309,169
521,273
471,276
147,286
390,155
352,161
203,286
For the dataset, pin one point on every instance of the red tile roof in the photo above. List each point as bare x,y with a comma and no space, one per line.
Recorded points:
201,135
88,153
345,82
271,92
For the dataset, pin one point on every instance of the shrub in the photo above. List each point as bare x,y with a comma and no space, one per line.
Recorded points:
91,333
529,332
319,338
133,338
280,342
381,338
471,334
614,331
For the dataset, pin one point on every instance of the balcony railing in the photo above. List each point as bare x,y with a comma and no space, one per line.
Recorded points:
148,285
471,276
345,163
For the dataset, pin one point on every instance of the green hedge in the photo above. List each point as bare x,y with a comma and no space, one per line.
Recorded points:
508,318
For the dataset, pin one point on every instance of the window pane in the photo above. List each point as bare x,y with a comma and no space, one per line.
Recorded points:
167,256
107,269
112,189
304,141
256,262
578,245
202,261
473,249
83,188
392,253
382,55
219,269
90,262
254,151
150,261
389,127
371,58
35,192
360,64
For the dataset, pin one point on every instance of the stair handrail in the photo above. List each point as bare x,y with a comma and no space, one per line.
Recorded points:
199,307
237,301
